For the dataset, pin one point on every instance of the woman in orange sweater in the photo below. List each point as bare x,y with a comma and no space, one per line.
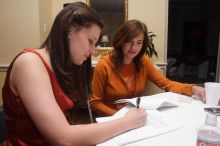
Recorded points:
123,73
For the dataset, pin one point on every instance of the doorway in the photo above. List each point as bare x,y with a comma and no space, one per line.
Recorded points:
193,40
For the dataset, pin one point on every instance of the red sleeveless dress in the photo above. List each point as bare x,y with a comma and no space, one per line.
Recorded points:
21,129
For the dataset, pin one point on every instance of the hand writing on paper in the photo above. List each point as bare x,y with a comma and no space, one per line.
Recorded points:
199,92
136,117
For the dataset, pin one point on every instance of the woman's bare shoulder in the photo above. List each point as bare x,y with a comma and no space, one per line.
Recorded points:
30,60
27,67
27,64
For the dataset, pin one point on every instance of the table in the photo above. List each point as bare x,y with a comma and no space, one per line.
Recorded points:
190,112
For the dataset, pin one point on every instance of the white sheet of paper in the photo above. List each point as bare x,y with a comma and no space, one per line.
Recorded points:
151,102
157,124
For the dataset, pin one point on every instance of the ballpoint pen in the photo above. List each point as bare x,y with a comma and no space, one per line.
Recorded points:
138,100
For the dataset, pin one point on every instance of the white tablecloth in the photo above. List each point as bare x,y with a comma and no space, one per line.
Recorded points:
189,112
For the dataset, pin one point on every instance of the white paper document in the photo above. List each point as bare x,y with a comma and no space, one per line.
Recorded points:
157,124
153,102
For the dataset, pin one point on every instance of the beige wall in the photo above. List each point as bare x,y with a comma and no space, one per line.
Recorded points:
57,5
2,79
19,27
45,18
154,14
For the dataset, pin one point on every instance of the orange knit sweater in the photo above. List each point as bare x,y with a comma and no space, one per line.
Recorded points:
109,86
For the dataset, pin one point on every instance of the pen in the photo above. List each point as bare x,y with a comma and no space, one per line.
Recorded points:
138,100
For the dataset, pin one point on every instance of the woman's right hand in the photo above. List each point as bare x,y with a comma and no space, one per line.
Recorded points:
136,118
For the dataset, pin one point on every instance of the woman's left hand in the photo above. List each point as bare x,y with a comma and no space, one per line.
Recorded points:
199,92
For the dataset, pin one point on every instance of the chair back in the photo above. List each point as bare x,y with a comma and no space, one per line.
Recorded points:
3,128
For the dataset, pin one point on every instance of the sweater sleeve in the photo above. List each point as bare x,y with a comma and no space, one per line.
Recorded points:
162,82
97,99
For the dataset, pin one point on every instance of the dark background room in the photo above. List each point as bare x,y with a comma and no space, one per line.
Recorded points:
193,40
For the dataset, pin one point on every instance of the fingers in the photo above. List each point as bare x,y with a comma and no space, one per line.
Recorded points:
137,117
142,117
140,111
199,92
202,94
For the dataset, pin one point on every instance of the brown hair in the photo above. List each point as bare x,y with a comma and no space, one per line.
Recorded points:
126,32
74,80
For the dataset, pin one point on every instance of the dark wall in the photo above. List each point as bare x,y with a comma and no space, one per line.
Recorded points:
193,25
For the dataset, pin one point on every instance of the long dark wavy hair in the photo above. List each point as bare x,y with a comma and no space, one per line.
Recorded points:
75,80
126,32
